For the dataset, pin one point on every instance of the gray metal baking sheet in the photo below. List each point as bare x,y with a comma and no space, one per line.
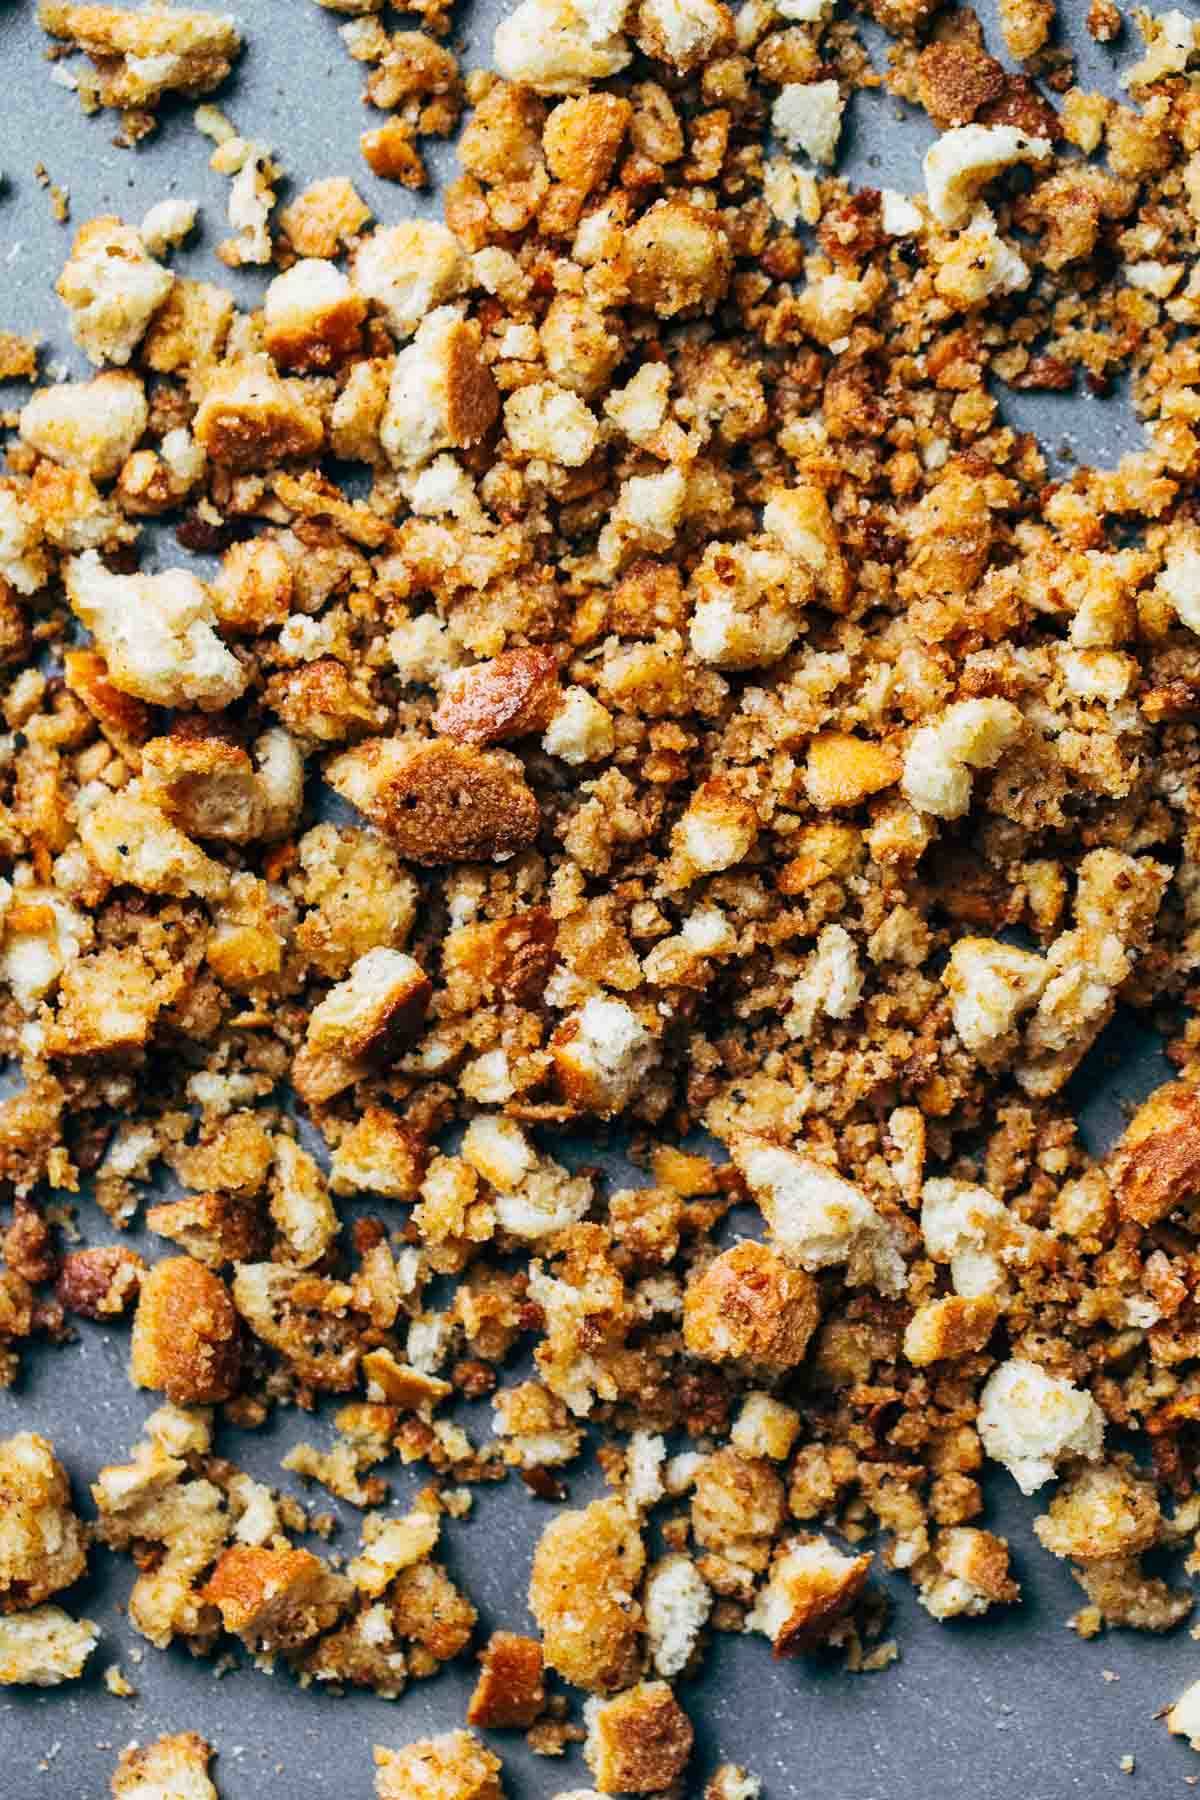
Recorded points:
1004,1707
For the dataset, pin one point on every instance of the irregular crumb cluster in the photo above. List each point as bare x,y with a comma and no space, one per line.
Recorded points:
705,714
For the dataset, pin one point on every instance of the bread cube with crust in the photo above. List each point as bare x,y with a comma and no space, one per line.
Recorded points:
512,696
717,831
42,1542
409,270
639,1742
141,54
678,258
942,1330
24,565
602,1054
442,395
111,289
586,1570
172,1768
186,1340
44,1647
439,801
380,1154
91,426
1030,1421
312,317
765,1427
812,1584
750,1305
156,633
132,841
562,46
510,1690
251,418
206,784
363,1019
684,33
215,1228
107,1004
966,1573
276,1599
455,1766
1155,1166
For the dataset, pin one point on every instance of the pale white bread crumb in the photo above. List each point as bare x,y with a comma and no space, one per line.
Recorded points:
765,1427
23,560
280,765
499,1150
676,1602
251,198
581,731
647,516
791,192
44,935
1170,44
971,734
644,1462
900,215
1157,278
407,270
831,984
817,1219
977,263
111,289
807,115
87,425
1183,1720
804,12
640,407
443,488
970,1229
156,633
562,46
546,421
167,224
604,1054
1180,577
547,1201
990,985
44,1647
390,1546
423,650
301,1210
1030,1421
1105,675
962,161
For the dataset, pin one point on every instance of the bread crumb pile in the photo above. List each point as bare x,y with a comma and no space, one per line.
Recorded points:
701,713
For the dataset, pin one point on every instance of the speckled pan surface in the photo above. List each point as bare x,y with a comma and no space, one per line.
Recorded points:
1015,1706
